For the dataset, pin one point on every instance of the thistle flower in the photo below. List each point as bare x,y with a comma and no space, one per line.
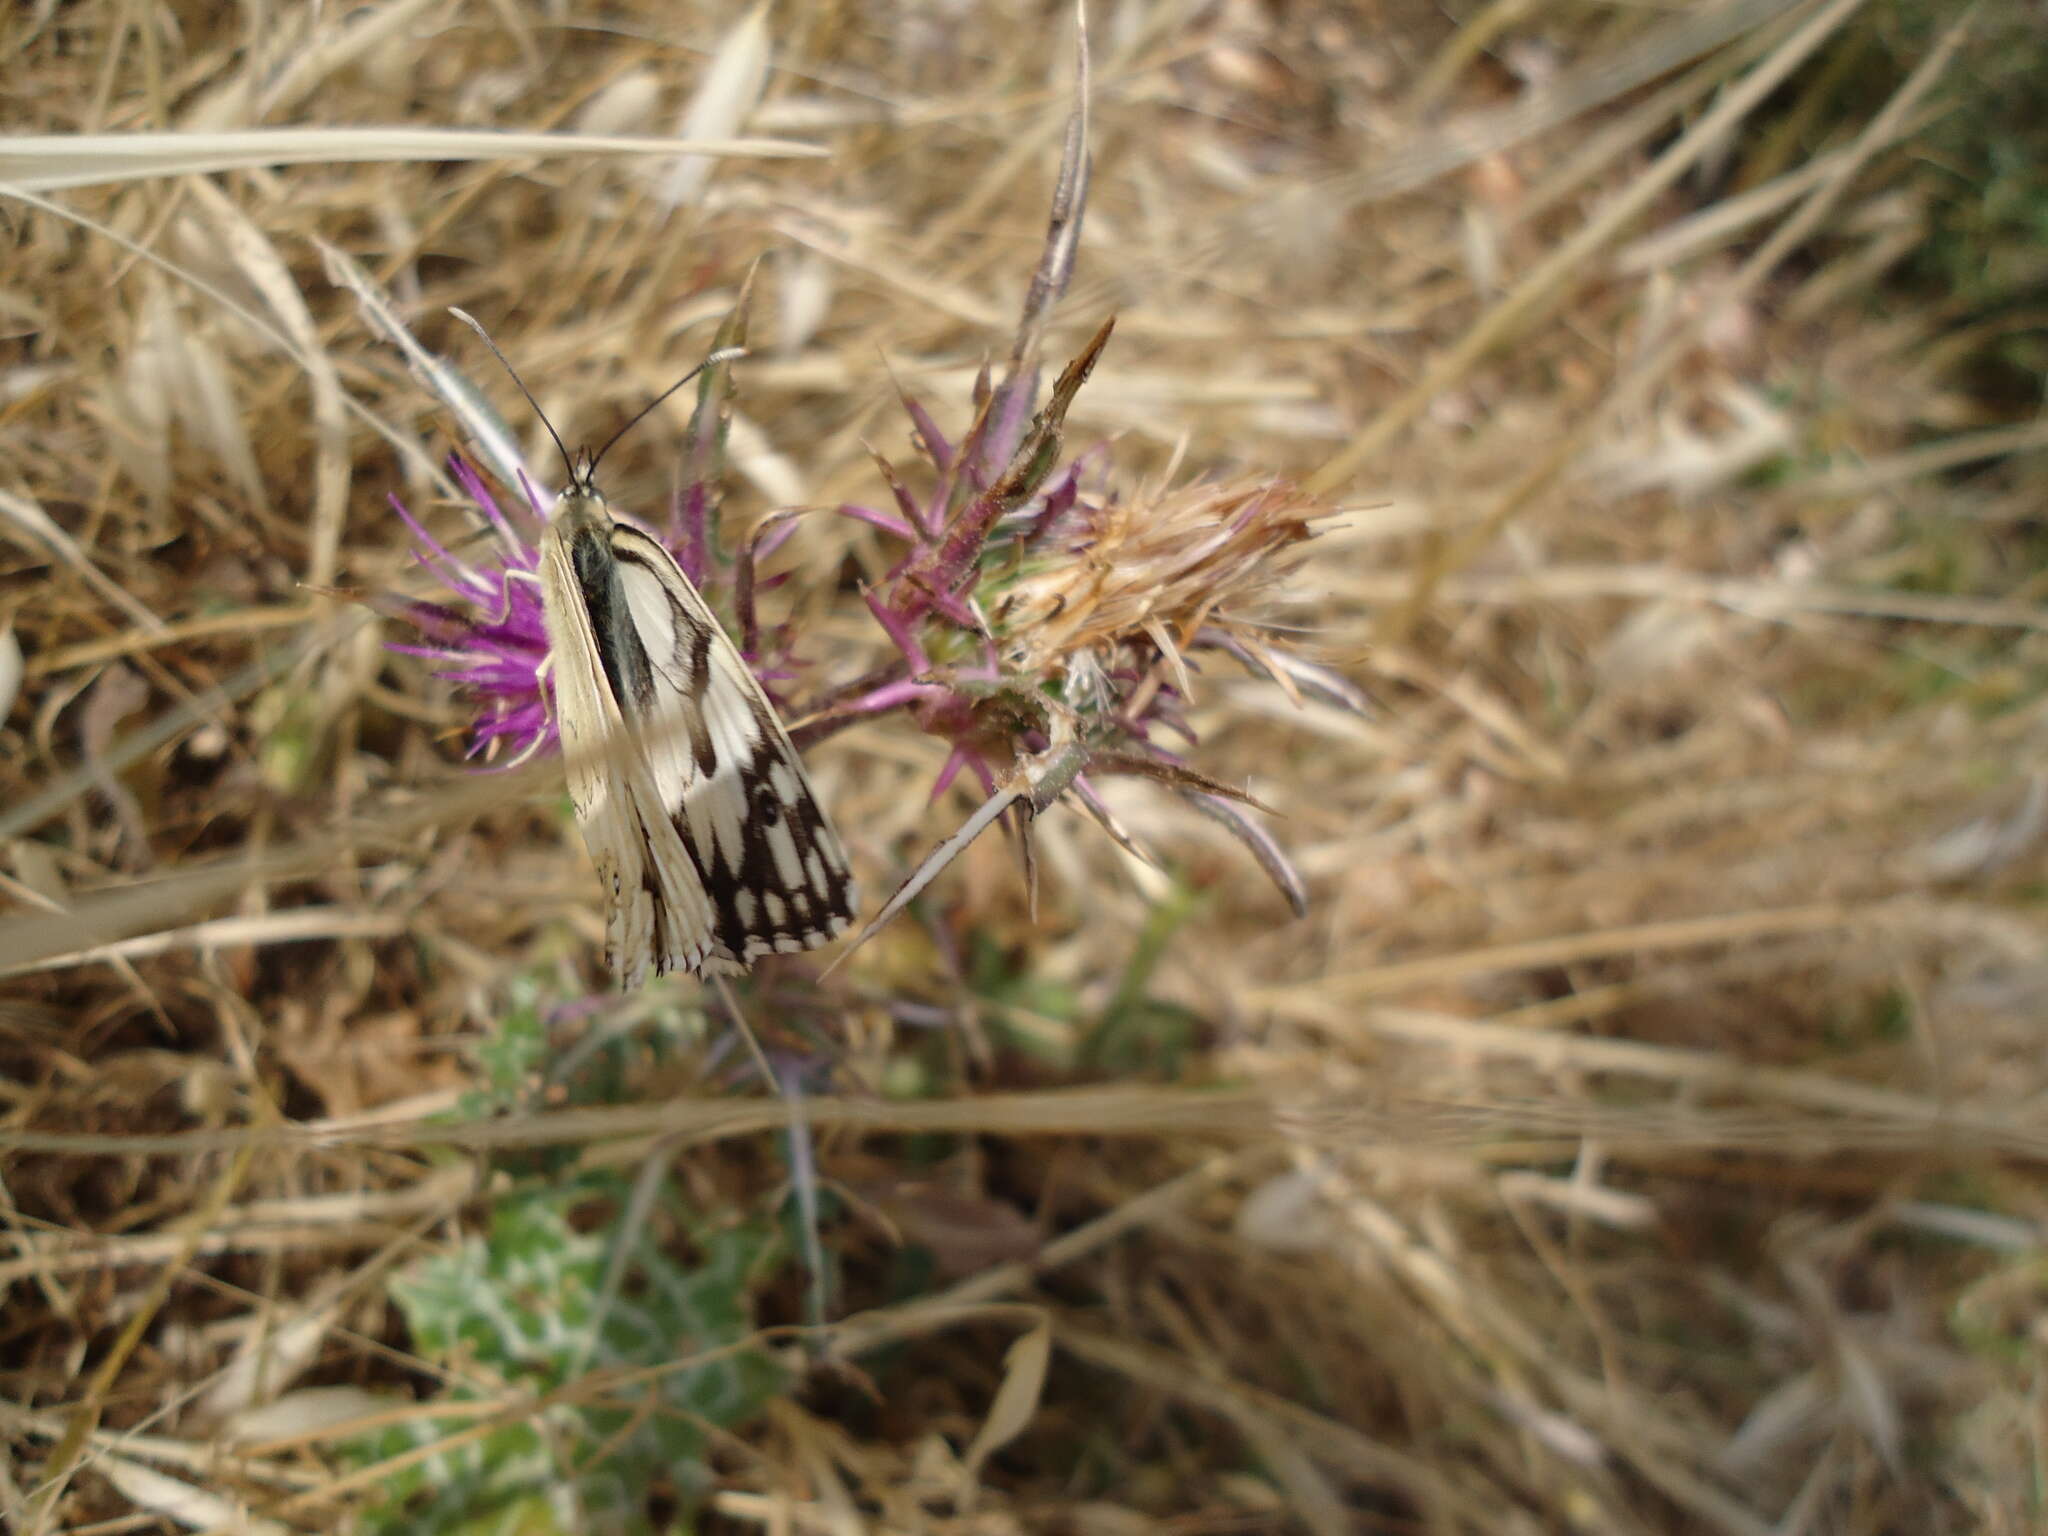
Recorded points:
1050,630
492,639
492,642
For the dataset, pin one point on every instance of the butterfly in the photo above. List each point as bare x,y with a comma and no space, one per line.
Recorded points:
710,843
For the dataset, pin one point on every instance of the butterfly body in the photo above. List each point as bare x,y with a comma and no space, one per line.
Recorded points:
706,833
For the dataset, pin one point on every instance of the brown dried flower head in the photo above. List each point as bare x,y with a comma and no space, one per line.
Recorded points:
1130,580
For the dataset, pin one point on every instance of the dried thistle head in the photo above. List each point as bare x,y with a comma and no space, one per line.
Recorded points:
1045,629
1121,588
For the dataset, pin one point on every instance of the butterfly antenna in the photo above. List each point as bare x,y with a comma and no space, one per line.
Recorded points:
476,325
722,355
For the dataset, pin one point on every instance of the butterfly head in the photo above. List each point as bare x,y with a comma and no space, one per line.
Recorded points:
582,466
583,475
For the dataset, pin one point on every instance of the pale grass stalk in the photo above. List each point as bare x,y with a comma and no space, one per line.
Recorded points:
53,162
1695,1071
488,435
1615,1208
349,1220
1262,1413
899,271
107,917
1630,1427
51,801
1722,222
13,667
732,82
781,1512
994,184
625,1130
165,1450
870,1331
185,1503
134,642
280,69
1880,132
1608,140
293,927
1641,939
1964,1224
490,1411
1474,136
1856,1119
818,1452
1434,80
1774,601
1930,459
1859,270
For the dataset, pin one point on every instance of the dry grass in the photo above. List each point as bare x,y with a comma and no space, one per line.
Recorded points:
1643,1130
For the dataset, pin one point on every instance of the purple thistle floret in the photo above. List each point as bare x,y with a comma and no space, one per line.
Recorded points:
1017,591
494,645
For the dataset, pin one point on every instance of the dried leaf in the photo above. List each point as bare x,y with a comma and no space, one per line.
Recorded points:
11,667
268,1360
306,1413
1985,843
1784,1421
181,1501
804,297
1015,1405
200,395
1286,1214
623,106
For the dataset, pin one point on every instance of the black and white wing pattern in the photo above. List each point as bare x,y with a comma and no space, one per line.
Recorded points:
693,802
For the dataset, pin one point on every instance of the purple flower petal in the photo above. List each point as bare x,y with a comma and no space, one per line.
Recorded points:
895,527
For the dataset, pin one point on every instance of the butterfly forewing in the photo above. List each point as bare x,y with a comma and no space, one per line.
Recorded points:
657,912
693,801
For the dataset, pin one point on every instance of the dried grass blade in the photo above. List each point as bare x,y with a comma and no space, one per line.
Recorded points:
489,436
52,162
1573,258
37,524
258,260
731,88
1271,857
227,301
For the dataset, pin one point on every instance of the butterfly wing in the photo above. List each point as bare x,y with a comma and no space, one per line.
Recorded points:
657,910
726,772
